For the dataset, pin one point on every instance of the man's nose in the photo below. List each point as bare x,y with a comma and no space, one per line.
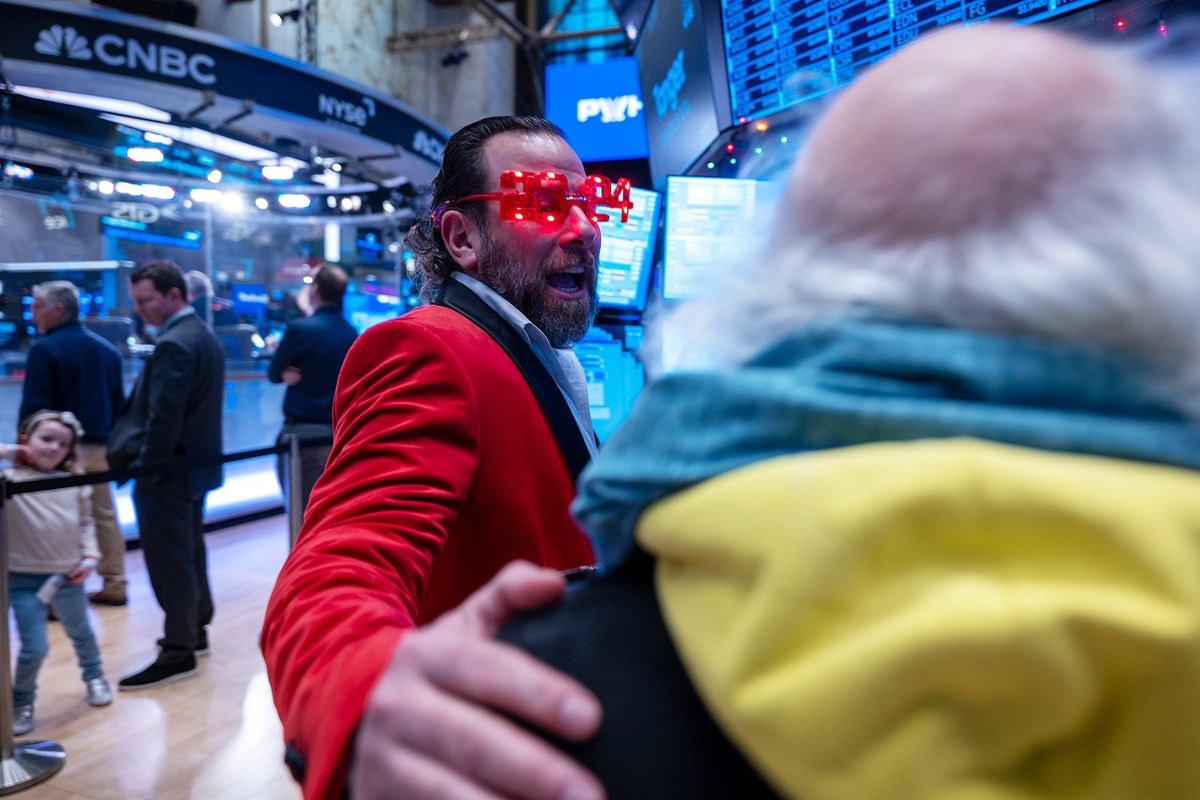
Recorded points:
579,230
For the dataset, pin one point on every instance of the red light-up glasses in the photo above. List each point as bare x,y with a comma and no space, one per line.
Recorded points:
546,197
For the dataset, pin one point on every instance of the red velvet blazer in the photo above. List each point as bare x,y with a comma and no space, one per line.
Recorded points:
443,470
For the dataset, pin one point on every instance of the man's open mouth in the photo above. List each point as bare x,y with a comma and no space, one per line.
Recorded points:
569,282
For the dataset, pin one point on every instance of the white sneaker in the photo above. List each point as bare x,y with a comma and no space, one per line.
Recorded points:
98,693
22,719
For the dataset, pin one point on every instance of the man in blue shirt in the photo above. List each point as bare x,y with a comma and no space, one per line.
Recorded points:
308,360
73,369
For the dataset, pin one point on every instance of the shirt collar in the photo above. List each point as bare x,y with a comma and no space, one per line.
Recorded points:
178,315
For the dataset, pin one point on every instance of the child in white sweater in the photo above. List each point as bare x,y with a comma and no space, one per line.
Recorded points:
51,537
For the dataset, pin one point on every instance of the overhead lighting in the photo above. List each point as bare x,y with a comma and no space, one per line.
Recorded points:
94,102
205,140
233,202
336,167
104,187
347,204
157,138
331,201
214,176
147,155
278,172
152,190
18,172
295,200
261,203
389,206
280,17
206,195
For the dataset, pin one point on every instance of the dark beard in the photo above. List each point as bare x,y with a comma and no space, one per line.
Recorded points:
564,322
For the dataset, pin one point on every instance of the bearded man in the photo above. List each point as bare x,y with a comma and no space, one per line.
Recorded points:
459,429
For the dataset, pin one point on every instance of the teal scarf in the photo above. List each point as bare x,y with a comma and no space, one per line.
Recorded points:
844,382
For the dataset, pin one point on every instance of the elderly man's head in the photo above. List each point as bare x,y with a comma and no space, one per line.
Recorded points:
55,303
1002,179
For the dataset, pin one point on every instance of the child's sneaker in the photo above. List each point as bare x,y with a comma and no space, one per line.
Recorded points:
98,694
22,719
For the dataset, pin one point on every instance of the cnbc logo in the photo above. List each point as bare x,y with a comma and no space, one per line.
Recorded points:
110,49
59,41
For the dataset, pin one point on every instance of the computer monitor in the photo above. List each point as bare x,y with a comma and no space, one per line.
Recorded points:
705,218
614,379
364,310
627,253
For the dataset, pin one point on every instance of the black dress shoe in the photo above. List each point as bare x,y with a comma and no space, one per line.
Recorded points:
170,666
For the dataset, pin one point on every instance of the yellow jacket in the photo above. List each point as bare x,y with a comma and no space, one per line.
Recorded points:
944,619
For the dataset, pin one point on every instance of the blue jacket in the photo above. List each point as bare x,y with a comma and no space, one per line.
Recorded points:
318,346
73,369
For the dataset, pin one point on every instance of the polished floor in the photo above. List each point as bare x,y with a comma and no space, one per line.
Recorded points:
214,736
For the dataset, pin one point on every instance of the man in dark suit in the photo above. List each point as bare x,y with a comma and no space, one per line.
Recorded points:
73,369
308,360
173,414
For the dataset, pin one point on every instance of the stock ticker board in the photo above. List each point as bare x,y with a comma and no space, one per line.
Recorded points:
780,52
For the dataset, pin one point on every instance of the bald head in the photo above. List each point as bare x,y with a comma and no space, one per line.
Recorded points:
963,128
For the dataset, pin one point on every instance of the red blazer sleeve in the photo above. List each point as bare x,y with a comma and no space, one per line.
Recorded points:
406,433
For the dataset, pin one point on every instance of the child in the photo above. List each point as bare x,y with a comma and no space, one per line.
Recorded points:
50,535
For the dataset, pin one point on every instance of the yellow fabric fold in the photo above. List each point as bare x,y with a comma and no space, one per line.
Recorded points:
944,619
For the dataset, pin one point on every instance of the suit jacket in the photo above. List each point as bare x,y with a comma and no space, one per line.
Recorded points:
443,470
174,411
318,346
73,369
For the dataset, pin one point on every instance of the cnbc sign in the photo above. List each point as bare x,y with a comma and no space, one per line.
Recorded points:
128,53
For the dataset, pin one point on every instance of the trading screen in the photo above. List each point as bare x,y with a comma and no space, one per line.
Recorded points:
779,52
704,218
626,250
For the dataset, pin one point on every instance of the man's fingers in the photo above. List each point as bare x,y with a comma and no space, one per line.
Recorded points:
491,750
387,772
520,586
501,676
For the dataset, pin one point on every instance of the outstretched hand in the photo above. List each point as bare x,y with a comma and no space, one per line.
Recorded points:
431,727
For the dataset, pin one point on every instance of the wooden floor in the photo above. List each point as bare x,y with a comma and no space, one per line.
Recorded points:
214,736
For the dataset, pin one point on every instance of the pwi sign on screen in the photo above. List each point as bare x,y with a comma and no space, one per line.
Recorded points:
609,109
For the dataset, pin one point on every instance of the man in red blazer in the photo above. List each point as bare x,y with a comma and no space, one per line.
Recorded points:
459,429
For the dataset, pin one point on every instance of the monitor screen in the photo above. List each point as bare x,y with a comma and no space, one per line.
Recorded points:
599,107
703,217
778,54
676,72
250,300
364,310
627,252
614,379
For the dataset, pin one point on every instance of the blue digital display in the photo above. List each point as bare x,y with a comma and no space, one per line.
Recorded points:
599,107
627,253
702,213
250,299
364,310
677,82
780,52
614,379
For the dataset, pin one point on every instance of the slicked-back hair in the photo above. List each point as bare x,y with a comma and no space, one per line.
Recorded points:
463,172
165,275
60,293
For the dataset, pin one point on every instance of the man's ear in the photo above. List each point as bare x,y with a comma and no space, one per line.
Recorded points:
462,239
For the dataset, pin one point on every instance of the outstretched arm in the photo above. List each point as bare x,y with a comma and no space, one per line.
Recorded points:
432,726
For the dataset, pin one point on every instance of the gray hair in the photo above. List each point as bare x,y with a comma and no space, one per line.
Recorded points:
198,284
1109,260
60,293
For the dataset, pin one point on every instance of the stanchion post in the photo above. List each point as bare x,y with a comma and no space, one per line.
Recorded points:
22,764
295,498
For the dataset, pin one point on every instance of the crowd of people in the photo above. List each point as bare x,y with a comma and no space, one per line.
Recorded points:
921,519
